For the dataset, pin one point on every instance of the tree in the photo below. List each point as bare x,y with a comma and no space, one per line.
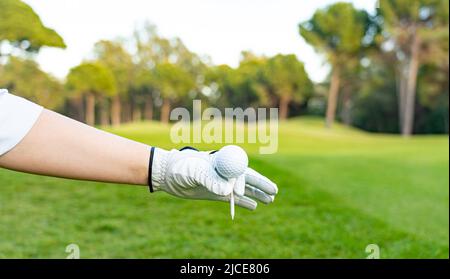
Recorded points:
114,56
26,79
341,32
289,81
217,86
245,86
433,99
22,28
154,50
250,81
91,80
172,82
375,106
417,29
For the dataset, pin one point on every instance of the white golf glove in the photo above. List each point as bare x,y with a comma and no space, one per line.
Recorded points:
188,173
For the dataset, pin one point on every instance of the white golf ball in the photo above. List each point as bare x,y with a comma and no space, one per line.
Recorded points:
231,161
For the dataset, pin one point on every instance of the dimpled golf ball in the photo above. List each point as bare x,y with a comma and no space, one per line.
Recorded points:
231,161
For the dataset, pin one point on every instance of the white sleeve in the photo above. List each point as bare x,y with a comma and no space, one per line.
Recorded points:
17,117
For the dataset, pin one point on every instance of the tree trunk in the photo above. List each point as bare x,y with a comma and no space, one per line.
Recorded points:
90,109
78,105
148,107
284,107
332,98
346,110
104,113
165,111
115,111
401,88
413,68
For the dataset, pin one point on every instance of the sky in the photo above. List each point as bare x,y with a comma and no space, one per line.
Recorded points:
220,29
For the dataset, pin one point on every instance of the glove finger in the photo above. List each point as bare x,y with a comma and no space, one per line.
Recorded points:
259,195
255,179
239,186
245,202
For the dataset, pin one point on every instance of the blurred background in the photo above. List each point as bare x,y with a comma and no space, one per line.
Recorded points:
351,80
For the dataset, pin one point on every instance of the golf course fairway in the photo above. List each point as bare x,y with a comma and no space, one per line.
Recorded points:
339,191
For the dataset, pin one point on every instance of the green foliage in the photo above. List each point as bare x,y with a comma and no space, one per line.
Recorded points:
91,78
246,85
250,81
172,81
115,57
433,87
433,98
287,77
421,12
144,80
153,49
26,79
429,18
160,61
339,31
20,24
218,87
344,35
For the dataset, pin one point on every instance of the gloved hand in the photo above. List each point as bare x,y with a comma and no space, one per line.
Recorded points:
190,174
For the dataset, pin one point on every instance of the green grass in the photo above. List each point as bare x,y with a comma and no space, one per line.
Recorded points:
340,190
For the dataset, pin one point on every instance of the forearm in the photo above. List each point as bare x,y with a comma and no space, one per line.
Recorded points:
62,147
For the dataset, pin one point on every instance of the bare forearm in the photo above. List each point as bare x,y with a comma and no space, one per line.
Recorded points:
62,147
